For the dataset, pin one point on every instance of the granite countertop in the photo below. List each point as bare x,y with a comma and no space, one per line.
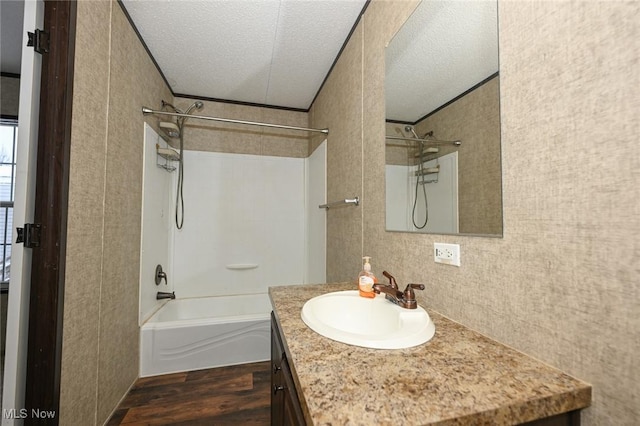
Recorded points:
458,377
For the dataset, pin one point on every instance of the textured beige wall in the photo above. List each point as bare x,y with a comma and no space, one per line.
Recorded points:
201,135
9,96
562,284
114,77
475,120
339,107
81,321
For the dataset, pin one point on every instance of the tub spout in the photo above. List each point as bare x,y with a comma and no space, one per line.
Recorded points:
163,295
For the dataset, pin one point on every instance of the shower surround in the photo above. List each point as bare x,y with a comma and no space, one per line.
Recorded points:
249,224
244,226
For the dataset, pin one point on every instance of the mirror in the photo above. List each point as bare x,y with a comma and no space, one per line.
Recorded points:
443,165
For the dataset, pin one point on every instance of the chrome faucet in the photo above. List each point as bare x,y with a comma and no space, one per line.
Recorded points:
405,299
163,295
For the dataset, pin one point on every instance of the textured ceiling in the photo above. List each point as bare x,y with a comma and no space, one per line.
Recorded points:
444,49
271,52
278,52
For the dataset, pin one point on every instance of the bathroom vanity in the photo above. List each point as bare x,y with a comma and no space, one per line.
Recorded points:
285,405
458,377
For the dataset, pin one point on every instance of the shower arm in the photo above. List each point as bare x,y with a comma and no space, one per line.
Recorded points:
430,141
147,111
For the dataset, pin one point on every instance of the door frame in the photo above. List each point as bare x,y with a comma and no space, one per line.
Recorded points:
26,153
44,348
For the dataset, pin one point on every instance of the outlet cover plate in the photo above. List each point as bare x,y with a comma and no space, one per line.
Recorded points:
449,254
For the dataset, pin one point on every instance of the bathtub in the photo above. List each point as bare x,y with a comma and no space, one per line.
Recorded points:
192,334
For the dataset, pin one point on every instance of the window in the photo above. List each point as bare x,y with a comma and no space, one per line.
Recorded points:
8,140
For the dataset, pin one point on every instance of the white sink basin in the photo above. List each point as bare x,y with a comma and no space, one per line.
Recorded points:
375,323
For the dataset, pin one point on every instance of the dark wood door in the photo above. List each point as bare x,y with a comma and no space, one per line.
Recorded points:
52,182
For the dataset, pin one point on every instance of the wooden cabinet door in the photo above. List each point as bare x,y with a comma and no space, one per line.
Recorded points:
285,406
277,381
292,412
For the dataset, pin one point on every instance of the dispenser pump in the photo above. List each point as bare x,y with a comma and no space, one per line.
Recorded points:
367,265
366,279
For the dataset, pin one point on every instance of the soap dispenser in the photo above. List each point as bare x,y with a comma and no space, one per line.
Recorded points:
366,280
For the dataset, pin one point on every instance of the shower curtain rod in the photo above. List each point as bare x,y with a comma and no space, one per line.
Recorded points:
432,141
147,111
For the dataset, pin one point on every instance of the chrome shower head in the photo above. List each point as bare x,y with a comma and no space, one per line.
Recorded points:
196,105
410,129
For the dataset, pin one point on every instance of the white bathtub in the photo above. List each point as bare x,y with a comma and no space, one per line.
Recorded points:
192,334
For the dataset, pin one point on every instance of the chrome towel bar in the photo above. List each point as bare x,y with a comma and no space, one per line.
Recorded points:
347,201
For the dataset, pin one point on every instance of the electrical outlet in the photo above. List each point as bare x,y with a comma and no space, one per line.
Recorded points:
448,254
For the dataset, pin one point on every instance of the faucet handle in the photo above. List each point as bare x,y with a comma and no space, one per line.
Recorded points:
392,280
160,275
409,294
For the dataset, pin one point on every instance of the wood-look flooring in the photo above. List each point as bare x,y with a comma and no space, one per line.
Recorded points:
236,395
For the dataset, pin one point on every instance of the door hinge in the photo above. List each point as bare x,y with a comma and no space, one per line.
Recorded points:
39,40
29,235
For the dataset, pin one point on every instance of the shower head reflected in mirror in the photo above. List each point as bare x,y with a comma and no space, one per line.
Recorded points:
413,132
196,105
